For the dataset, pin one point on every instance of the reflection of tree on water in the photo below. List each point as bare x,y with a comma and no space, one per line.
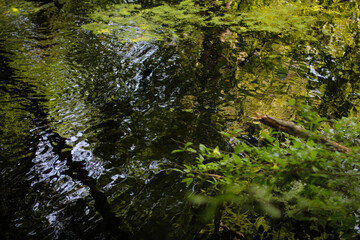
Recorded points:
142,125
336,81
15,150
20,195
38,165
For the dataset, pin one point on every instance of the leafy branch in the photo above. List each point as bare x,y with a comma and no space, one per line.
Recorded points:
314,181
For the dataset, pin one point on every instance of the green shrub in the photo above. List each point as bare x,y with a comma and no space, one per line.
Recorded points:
289,189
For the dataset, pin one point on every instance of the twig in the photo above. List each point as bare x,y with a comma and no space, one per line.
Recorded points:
207,174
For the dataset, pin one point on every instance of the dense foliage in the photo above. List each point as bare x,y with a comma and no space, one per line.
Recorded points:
282,187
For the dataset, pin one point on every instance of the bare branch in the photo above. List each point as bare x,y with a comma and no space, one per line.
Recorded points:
297,131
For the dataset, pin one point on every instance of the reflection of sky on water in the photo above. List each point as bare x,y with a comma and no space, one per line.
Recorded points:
80,154
47,165
317,74
49,170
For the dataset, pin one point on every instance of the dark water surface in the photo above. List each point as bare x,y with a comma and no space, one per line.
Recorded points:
88,125
86,122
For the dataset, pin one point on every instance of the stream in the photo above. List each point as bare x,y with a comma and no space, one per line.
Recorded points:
89,123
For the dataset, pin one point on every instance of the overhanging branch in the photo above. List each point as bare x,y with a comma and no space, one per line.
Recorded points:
297,131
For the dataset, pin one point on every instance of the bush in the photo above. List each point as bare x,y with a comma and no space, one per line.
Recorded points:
288,189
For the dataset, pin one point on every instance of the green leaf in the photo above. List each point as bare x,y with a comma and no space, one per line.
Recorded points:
201,158
292,102
281,162
313,154
315,169
177,150
201,167
188,144
226,134
239,148
236,158
202,147
217,151
191,150
310,143
188,167
188,181
297,144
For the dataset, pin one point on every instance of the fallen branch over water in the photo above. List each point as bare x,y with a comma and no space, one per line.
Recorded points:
297,131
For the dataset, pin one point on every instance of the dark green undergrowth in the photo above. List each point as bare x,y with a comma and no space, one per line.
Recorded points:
284,189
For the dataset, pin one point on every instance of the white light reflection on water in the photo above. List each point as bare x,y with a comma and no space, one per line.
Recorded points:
49,171
93,165
114,179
